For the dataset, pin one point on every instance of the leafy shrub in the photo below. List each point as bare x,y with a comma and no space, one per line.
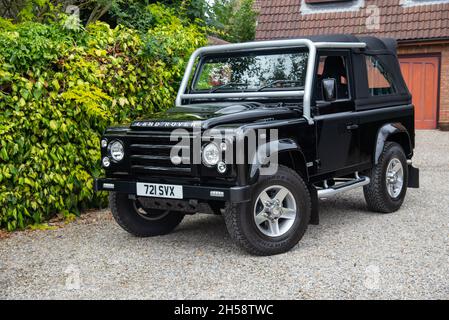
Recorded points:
236,19
59,90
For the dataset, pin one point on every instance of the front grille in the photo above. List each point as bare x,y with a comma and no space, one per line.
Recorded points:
149,154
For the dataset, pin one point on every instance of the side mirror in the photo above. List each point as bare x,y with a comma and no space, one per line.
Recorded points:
329,89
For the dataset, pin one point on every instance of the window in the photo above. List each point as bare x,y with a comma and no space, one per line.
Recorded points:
333,67
325,1
411,3
380,82
323,6
252,72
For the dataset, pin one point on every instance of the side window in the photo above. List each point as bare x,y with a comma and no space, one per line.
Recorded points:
380,82
334,67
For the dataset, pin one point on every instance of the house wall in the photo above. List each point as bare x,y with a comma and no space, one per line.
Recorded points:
443,50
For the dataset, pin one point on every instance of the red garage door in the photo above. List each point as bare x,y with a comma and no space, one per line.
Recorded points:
421,75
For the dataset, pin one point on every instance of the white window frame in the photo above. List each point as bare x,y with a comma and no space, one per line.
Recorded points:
307,8
416,3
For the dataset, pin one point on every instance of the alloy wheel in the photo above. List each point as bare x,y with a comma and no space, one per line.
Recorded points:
275,211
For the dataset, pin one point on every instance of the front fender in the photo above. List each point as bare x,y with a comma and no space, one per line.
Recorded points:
268,152
387,131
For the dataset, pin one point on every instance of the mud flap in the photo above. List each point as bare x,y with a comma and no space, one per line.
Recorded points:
314,216
413,177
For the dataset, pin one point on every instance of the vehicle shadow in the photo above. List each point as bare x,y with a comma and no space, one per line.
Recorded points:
202,231
209,231
342,205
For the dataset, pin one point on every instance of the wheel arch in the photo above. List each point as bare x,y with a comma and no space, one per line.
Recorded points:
393,132
289,154
295,160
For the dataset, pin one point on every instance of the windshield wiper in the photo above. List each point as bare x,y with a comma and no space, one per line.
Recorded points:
229,84
271,84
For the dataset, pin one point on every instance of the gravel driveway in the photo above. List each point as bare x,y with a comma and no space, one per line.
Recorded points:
353,253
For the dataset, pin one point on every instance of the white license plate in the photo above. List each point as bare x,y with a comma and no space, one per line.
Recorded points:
159,190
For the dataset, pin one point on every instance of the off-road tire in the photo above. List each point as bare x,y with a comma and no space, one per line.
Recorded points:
376,194
243,230
126,216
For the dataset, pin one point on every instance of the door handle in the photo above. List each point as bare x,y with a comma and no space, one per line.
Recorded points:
352,126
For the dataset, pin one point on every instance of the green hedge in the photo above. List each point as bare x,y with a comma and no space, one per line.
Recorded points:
59,90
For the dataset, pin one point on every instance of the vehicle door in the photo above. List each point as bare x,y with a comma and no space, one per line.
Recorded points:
337,131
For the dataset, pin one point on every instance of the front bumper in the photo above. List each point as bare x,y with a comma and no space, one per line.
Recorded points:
232,194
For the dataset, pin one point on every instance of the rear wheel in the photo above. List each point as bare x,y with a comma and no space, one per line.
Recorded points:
277,216
389,180
140,221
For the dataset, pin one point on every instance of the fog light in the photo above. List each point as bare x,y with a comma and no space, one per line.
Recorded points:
221,167
106,162
104,143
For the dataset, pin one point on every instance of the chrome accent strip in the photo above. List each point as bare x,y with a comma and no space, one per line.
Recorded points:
307,93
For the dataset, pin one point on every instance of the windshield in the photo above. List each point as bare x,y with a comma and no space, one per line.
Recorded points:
252,72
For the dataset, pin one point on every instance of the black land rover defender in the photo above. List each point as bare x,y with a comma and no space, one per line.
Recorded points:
260,132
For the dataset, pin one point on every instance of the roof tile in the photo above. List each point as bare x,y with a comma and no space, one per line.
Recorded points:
283,19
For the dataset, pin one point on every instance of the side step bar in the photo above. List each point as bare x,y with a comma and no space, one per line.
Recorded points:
359,181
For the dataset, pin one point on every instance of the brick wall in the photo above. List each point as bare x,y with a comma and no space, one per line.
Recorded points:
443,49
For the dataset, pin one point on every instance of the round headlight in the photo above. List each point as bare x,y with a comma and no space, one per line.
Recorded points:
211,155
104,143
116,150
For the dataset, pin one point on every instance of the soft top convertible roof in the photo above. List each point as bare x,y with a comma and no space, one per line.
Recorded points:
373,44
385,50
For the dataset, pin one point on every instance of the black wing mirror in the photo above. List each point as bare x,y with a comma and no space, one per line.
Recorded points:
329,89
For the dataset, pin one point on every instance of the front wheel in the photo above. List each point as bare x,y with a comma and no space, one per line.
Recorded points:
389,180
140,221
277,216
